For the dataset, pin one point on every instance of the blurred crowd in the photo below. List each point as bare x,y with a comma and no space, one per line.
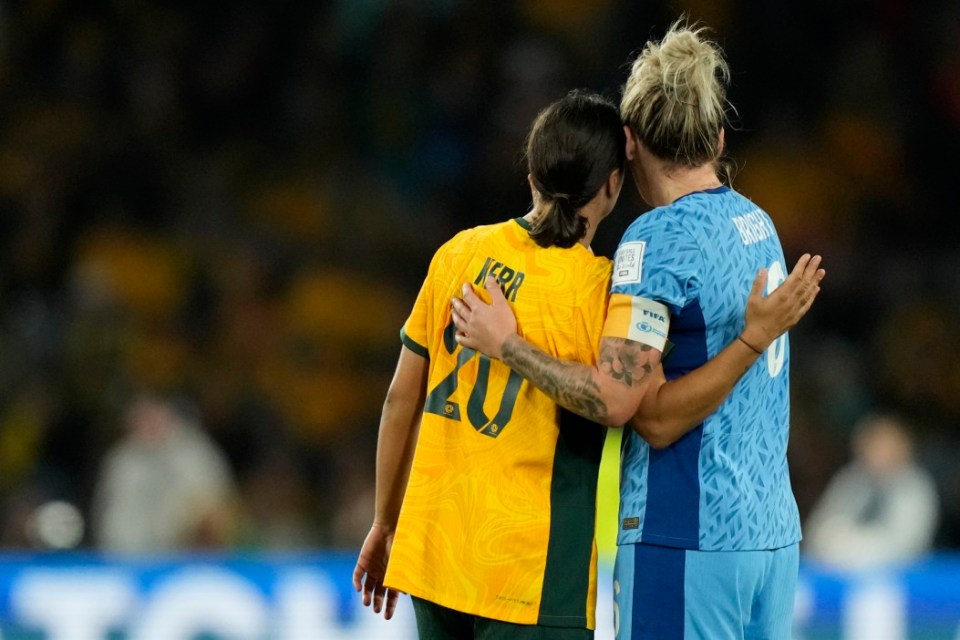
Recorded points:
214,220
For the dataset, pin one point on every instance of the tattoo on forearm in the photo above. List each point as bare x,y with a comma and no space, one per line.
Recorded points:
569,384
572,384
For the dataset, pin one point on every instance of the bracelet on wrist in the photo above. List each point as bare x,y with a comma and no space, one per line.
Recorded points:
755,350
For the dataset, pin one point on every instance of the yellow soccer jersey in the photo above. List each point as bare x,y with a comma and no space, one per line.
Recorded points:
499,513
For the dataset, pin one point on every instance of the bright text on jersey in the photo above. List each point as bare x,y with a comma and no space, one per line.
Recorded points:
753,226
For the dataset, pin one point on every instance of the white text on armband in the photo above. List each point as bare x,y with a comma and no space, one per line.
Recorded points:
650,323
753,227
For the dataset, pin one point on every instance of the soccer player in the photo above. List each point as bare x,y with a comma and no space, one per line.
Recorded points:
489,525
709,529
495,533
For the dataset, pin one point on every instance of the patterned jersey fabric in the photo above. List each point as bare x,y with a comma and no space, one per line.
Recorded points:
725,485
499,513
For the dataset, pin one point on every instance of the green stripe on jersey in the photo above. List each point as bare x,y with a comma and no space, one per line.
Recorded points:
417,348
573,512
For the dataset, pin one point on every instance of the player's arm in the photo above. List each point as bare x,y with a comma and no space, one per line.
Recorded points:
608,392
399,426
611,392
670,409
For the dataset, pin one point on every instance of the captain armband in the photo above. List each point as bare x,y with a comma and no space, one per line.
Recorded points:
638,319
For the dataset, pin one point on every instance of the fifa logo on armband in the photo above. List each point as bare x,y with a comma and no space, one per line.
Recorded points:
654,315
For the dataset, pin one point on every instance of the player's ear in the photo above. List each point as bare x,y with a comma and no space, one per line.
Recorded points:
614,182
631,142
722,142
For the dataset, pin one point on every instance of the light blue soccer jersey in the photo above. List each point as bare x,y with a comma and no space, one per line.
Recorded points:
725,485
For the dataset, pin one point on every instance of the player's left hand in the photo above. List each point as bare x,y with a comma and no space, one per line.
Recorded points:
371,569
483,326
768,317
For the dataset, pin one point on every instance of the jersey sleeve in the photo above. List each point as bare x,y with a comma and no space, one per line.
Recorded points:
658,259
415,331
591,310
413,334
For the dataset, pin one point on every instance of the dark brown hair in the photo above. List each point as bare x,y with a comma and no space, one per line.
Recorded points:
573,146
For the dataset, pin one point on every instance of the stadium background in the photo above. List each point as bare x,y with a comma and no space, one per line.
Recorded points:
235,205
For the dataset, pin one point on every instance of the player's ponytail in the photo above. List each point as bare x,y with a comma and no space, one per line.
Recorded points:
560,225
675,98
573,146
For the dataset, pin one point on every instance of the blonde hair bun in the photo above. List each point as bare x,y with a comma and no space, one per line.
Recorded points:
675,97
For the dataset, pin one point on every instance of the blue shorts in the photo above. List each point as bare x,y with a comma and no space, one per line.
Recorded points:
665,593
